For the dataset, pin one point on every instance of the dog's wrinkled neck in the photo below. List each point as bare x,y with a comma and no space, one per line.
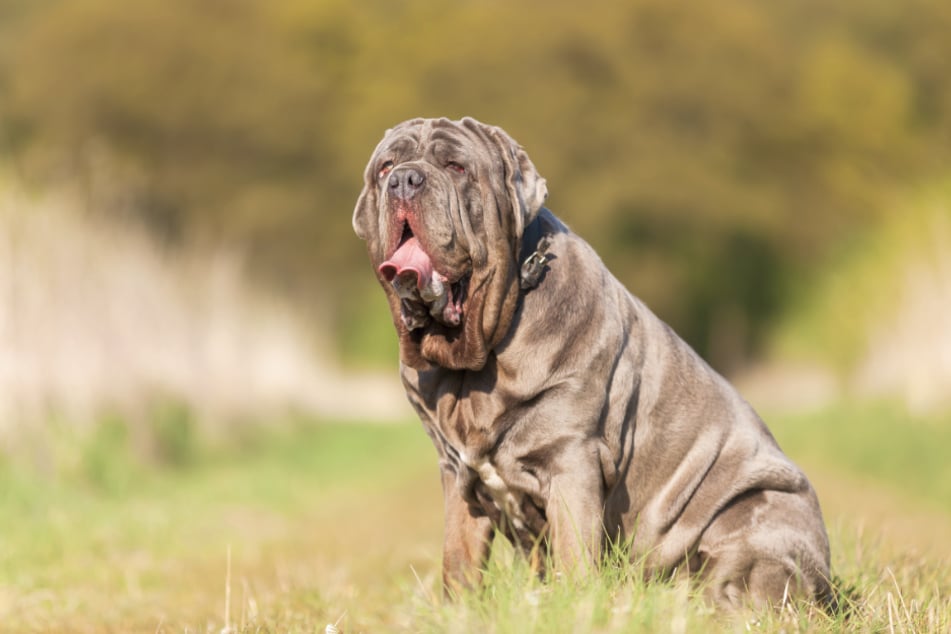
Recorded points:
533,255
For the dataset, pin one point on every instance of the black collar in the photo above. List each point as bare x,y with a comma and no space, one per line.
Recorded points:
533,254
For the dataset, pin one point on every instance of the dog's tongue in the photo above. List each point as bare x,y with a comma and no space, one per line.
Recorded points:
409,259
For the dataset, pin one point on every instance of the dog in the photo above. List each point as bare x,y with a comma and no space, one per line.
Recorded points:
566,415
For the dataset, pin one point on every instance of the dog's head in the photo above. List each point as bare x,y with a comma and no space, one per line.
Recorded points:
442,211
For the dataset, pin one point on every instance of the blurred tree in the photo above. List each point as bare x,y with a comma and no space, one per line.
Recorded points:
711,152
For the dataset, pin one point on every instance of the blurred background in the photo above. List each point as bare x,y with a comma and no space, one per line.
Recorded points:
182,297
177,180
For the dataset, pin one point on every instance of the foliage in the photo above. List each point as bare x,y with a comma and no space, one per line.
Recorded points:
878,314
711,151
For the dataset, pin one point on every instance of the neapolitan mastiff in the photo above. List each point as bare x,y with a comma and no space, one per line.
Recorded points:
564,412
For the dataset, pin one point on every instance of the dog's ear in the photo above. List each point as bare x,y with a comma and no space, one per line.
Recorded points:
531,188
364,211
526,187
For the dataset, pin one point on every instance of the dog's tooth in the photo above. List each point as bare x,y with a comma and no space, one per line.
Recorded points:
434,290
439,305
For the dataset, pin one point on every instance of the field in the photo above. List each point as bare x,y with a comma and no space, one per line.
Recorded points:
302,524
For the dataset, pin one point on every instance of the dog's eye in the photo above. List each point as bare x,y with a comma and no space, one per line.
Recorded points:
456,167
385,169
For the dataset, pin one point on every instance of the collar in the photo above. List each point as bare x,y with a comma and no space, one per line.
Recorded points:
533,255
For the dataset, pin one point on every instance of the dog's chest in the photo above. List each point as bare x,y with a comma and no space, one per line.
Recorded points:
488,476
507,499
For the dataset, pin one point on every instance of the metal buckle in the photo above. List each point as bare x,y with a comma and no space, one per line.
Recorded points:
534,265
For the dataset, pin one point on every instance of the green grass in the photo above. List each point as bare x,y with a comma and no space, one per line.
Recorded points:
301,525
150,547
881,441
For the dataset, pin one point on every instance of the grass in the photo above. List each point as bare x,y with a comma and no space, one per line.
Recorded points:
877,440
294,507
301,525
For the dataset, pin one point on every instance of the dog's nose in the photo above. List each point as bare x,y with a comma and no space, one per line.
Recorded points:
405,183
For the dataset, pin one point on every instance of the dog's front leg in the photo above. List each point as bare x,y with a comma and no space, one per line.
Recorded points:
575,513
467,539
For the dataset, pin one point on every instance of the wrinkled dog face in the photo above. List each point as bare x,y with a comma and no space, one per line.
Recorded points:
442,211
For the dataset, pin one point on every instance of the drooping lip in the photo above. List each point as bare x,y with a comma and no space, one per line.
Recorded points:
425,293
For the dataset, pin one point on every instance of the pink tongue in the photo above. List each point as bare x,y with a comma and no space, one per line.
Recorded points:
409,258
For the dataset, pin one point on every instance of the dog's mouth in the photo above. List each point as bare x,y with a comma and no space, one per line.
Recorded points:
425,293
